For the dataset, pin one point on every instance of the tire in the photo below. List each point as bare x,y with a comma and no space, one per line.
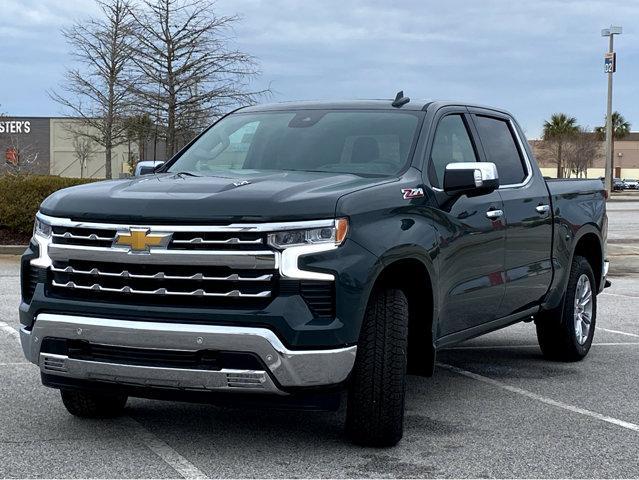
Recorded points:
557,329
375,410
87,404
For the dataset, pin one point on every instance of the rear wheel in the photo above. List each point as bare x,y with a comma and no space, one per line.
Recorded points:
92,405
375,412
566,333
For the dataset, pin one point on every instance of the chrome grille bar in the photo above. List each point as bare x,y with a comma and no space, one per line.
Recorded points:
161,291
233,227
161,275
72,236
236,259
228,241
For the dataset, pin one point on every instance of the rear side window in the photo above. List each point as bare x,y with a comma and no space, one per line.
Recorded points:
451,144
501,149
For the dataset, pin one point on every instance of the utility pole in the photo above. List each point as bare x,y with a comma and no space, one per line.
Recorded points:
610,67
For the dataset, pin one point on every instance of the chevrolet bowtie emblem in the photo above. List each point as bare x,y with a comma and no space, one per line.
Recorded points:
140,240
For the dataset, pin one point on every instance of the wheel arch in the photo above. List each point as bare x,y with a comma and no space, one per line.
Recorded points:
589,246
414,276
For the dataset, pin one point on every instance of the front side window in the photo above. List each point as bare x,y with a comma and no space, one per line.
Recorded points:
451,144
342,141
501,149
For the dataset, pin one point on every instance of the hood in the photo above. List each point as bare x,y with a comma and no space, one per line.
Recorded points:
236,196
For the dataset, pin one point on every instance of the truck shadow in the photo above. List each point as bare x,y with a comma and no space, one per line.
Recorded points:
206,424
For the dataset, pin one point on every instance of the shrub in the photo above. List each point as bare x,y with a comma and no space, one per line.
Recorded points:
21,196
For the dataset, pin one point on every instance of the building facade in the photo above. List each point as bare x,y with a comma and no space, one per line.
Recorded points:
626,159
49,146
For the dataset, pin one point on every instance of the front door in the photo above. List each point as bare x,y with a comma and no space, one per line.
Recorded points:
471,233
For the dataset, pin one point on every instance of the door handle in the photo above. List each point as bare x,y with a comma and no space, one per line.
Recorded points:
542,208
494,214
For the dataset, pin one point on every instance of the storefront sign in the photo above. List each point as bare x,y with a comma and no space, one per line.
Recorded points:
15,126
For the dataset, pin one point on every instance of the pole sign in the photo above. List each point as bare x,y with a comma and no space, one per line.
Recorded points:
610,62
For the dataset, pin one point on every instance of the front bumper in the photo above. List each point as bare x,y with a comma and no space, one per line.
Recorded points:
283,369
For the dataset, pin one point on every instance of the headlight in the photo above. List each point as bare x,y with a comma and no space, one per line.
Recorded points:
334,234
41,228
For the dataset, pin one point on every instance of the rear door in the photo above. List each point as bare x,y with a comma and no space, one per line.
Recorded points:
472,235
526,211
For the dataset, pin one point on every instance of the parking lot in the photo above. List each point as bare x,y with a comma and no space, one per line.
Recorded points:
495,408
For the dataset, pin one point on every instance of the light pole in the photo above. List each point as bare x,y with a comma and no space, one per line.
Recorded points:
610,67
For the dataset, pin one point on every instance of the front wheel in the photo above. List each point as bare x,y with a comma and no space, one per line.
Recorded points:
566,333
375,411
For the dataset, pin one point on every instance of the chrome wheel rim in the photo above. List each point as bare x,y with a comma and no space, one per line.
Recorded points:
583,309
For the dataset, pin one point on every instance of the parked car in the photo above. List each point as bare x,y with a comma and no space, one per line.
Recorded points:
631,184
618,184
144,167
356,240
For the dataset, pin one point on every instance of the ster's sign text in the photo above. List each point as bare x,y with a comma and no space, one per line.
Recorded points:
15,126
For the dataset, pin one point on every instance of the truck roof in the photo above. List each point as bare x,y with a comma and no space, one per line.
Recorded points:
380,104
373,104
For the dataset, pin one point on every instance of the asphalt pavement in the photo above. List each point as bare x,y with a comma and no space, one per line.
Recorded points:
495,408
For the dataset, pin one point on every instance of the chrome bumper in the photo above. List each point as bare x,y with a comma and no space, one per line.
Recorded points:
286,368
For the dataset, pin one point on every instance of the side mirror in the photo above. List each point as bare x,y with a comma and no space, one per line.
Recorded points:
146,170
471,177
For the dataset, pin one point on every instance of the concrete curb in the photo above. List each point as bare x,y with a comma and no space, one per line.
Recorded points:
12,249
624,198
615,249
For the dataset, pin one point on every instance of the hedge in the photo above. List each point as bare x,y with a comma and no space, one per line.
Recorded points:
21,196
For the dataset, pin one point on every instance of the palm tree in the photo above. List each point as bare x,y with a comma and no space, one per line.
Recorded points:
620,129
559,129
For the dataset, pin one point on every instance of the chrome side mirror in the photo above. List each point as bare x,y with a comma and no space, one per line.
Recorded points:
471,177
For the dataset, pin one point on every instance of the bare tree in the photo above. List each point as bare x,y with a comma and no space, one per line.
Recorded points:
83,149
98,92
139,129
186,71
581,152
20,156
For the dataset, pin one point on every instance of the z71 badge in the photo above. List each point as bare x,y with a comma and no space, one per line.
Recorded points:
410,193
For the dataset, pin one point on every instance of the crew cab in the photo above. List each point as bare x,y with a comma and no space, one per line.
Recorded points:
301,249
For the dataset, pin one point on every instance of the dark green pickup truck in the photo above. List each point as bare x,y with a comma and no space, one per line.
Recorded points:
303,249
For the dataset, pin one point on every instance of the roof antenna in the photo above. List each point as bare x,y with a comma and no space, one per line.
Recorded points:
400,99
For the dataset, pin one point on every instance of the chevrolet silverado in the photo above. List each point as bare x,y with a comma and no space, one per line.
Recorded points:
304,248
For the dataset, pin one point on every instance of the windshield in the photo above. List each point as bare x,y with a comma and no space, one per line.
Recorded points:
345,141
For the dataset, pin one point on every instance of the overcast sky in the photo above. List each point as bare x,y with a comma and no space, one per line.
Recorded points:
532,57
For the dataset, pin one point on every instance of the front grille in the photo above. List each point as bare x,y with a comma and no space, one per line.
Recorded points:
191,240
200,266
161,284
162,265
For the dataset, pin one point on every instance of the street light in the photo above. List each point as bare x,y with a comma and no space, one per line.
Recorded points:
610,67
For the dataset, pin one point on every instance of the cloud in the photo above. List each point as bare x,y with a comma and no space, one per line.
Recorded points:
531,57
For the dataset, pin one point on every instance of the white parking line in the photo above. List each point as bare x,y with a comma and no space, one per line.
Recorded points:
490,347
548,401
176,461
14,363
9,330
618,331
172,458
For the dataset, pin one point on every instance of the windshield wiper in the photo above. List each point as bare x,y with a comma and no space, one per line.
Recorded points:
186,174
